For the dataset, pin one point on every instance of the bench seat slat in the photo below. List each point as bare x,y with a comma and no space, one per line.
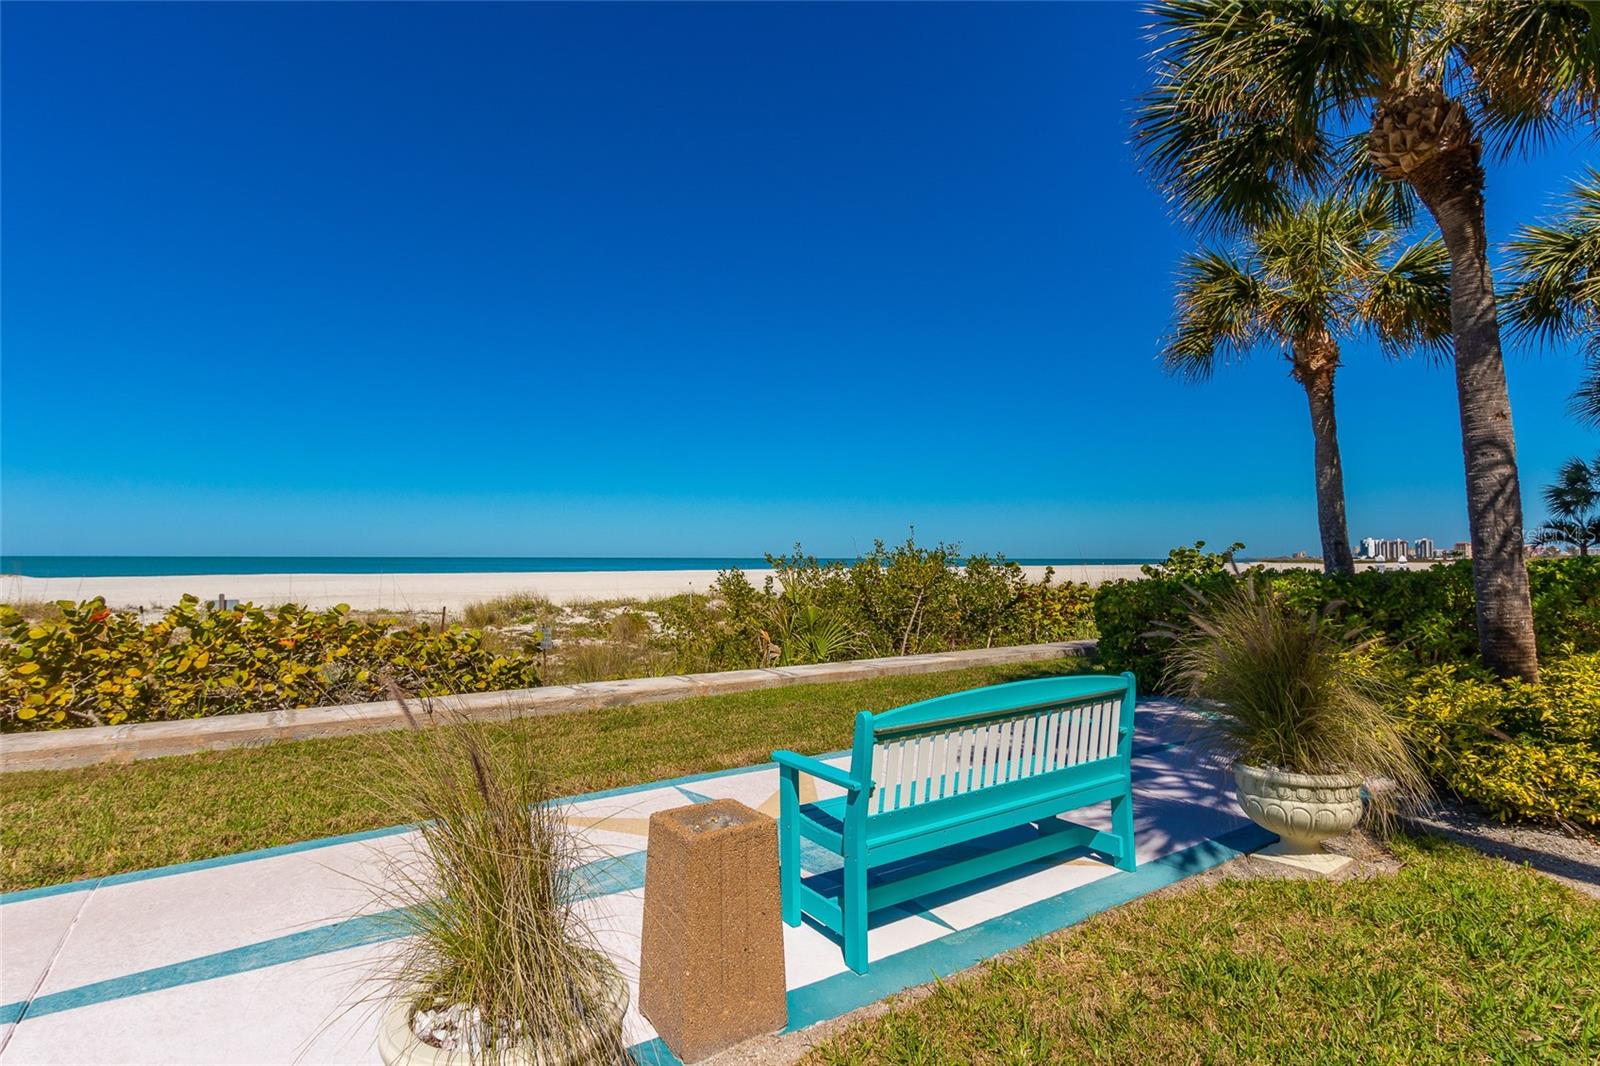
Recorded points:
1051,840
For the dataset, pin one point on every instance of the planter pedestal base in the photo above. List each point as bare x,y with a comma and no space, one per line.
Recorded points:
1316,862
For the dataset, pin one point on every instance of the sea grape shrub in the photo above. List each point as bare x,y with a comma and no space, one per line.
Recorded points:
902,600
1516,750
1425,614
96,666
1043,611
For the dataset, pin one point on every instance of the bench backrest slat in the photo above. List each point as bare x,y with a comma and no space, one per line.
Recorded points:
954,745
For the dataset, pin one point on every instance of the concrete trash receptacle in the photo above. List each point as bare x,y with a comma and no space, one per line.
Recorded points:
711,959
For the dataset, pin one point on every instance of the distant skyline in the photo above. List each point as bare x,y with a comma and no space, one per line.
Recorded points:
660,280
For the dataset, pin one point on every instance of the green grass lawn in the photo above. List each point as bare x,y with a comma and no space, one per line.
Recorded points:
61,825
1456,958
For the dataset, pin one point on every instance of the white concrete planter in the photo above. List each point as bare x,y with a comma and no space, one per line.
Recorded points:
1303,809
399,1046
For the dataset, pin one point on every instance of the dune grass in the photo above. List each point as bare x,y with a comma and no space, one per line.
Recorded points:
512,607
61,825
1456,958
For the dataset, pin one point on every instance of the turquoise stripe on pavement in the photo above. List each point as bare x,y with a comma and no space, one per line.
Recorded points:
603,877
654,1052
199,864
352,933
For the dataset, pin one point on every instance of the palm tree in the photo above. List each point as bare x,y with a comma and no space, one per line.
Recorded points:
1299,284
1257,100
1574,502
1556,292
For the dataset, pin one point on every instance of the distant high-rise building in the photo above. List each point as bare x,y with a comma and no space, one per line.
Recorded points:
1388,550
1463,549
1424,549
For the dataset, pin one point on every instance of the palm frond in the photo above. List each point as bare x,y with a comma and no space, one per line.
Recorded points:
1568,532
1534,67
1219,314
1247,100
1576,491
1408,304
1585,401
1555,270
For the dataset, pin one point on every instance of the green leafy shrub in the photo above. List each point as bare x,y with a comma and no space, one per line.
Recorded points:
1135,618
1517,750
96,666
1425,613
892,601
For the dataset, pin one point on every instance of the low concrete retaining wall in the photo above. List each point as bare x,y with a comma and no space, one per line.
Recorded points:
149,740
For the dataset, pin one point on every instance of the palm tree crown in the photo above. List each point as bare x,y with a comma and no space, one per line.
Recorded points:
1256,101
1328,269
1574,502
1324,270
1555,296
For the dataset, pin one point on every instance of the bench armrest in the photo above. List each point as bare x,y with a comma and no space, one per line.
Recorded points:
817,768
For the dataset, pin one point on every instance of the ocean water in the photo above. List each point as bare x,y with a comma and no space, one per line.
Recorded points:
168,565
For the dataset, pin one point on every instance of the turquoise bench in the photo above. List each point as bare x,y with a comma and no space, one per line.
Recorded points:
947,771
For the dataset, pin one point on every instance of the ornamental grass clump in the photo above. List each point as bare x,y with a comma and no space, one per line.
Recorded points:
1290,689
498,963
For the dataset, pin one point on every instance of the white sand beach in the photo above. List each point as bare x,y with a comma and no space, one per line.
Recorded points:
411,592
429,592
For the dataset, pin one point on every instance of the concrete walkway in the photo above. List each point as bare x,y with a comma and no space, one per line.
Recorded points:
256,958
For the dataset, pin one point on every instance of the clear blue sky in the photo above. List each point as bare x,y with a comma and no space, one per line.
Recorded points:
666,280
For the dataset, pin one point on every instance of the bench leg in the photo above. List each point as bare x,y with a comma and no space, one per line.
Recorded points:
1122,827
789,843
854,915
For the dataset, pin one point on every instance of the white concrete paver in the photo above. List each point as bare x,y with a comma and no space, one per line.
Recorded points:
310,1011
167,920
31,933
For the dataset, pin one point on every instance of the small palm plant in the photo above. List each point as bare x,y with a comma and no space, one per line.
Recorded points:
1315,274
497,965
1556,288
1574,502
1290,697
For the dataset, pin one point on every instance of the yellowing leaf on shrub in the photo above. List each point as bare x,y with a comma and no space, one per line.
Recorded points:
27,668
201,660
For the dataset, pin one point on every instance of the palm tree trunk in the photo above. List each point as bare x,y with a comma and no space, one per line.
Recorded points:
1315,360
1451,184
